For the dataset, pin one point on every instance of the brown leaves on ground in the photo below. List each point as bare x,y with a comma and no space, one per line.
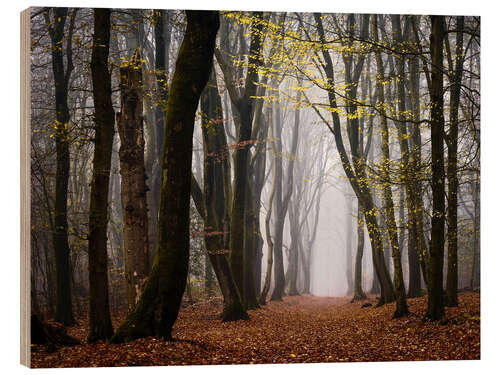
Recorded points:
298,329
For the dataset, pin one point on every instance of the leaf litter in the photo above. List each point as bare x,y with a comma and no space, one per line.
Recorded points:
299,329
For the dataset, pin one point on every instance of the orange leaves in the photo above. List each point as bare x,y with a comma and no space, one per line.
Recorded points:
297,330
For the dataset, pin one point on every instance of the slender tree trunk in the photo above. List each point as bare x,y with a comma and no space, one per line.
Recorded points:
162,27
279,220
474,275
293,263
416,165
133,181
435,307
269,240
456,80
359,294
250,238
156,311
64,313
401,306
99,315
349,235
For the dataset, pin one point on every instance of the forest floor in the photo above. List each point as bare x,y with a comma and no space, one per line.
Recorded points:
298,329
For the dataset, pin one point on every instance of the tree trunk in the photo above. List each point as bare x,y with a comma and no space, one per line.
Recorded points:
435,307
64,313
133,181
475,274
359,294
269,240
416,163
279,220
99,315
156,311
250,239
162,28
401,306
348,236
456,81
244,106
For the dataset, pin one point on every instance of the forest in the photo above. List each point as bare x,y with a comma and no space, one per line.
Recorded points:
234,187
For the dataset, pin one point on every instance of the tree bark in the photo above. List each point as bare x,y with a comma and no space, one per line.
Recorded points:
435,306
244,104
456,81
269,240
64,312
348,237
156,311
133,179
99,315
216,193
359,294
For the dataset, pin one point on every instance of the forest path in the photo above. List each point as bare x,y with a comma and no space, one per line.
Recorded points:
298,329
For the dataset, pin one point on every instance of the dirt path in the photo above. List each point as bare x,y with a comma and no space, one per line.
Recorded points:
298,329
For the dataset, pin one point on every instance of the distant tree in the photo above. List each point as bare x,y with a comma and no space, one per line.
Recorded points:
356,171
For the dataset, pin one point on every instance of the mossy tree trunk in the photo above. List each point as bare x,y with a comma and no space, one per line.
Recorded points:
161,29
435,307
133,179
156,311
99,315
456,80
55,25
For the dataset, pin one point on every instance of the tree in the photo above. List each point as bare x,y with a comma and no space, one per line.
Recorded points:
156,311
401,306
435,307
214,202
99,315
244,105
348,239
55,26
133,178
452,141
356,172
